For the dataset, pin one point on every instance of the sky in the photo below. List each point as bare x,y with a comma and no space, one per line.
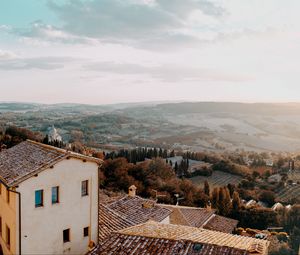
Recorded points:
113,51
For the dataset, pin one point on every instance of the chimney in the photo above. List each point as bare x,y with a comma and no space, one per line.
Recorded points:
132,191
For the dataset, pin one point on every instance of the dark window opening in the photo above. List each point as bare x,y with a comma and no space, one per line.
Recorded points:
86,231
66,235
84,188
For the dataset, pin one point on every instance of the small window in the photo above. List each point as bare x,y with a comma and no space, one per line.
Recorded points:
7,196
39,198
84,188
66,235
85,231
8,237
0,226
55,195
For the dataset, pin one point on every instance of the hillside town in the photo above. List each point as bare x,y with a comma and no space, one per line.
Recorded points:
47,187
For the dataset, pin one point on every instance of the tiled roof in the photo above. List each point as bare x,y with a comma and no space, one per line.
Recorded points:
222,224
121,244
28,158
200,217
109,222
117,213
139,210
153,229
106,197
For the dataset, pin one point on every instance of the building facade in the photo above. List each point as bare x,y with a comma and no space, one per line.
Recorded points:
48,201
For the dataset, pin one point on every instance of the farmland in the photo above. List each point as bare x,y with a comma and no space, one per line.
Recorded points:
217,179
290,192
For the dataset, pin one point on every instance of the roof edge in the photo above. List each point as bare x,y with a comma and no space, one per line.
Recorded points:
70,153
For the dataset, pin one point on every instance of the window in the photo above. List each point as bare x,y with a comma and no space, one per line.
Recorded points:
39,198
55,195
8,237
0,226
66,235
84,188
85,231
7,196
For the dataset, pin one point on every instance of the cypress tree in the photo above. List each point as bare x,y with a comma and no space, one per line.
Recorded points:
236,204
215,198
206,188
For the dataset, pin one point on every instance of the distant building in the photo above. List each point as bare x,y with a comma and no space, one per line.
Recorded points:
48,200
153,238
277,207
53,135
251,203
275,178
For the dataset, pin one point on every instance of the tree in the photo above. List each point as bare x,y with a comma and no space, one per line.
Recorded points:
206,188
295,239
172,154
176,168
268,197
236,204
215,198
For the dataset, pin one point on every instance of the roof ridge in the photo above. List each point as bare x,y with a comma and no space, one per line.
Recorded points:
209,219
185,207
67,152
47,146
183,216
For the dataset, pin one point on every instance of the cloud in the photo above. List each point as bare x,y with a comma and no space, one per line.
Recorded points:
6,55
42,63
133,21
43,32
166,73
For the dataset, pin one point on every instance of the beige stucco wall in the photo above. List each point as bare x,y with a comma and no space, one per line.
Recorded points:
42,228
8,213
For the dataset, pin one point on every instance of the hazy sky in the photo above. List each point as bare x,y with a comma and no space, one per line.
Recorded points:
108,51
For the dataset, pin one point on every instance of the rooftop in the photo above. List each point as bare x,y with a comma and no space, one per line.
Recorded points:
29,158
139,210
121,244
153,229
156,238
116,213
200,217
109,222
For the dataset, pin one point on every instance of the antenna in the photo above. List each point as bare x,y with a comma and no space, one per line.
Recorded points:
178,198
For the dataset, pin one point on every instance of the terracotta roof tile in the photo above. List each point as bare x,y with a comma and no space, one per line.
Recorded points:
197,235
222,224
200,217
121,244
28,158
109,222
139,210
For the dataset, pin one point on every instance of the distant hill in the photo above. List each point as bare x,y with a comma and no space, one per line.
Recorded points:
242,108
189,125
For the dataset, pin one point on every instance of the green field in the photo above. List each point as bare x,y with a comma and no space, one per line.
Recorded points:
217,179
